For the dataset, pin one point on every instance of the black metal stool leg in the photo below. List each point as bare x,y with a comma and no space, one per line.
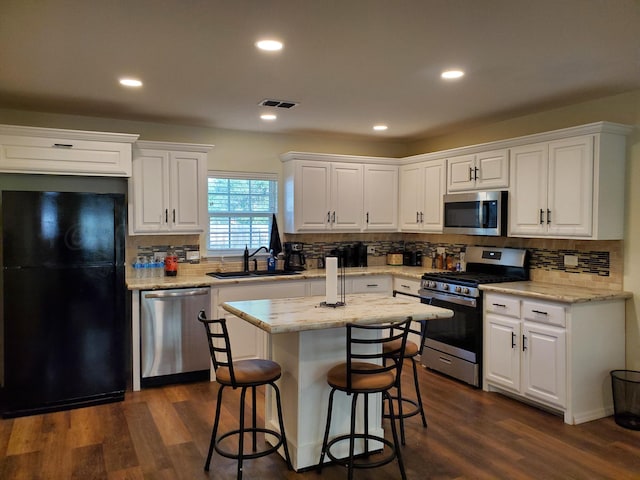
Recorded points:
281,421
418,396
254,418
214,430
241,441
325,440
400,417
394,432
352,440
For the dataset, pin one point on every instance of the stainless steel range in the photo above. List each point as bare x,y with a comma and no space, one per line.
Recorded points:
453,346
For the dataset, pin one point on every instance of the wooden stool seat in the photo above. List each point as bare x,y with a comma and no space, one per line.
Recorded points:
411,350
249,372
363,383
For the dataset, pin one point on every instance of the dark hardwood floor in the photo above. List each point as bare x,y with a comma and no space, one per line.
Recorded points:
163,433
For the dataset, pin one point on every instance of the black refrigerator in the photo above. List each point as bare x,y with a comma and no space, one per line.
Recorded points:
64,300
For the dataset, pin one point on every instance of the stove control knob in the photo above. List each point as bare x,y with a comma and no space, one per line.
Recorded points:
465,290
431,284
445,286
458,289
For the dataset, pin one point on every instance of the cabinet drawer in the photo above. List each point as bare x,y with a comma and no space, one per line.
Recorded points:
502,305
64,156
544,313
374,284
404,285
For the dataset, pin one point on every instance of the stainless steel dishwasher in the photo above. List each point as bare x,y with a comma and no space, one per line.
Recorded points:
173,346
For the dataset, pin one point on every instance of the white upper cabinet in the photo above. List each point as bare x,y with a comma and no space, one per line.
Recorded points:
346,200
381,197
168,189
479,171
422,186
324,194
64,152
569,188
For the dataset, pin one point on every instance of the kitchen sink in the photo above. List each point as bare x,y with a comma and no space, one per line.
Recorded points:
257,273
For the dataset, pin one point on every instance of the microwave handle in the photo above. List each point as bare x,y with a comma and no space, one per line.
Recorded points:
484,213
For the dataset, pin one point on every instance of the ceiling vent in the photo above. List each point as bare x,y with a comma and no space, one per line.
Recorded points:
277,103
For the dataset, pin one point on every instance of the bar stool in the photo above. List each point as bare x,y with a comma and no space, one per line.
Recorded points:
366,372
411,352
243,374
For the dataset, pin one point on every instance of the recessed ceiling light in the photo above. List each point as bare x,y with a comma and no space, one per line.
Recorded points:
452,74
269,45
380,128
268,116
130,82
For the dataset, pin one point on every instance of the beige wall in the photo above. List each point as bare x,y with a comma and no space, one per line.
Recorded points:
241,151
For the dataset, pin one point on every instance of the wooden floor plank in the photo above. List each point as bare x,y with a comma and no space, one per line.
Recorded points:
163,434
26,435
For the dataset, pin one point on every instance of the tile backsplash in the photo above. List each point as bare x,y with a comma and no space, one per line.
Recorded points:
599,263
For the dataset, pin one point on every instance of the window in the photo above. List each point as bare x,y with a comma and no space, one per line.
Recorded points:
240,209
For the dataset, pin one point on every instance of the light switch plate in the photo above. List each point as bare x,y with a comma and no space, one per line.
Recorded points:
570,261
440,250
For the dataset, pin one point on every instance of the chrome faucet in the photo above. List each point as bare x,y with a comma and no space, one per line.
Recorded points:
247,256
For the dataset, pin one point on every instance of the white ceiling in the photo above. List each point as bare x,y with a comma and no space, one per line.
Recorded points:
350,63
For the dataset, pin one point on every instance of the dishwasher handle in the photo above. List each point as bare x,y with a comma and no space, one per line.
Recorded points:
178,293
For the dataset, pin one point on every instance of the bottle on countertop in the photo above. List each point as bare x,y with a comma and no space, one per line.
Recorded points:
171,263
433,260
271,262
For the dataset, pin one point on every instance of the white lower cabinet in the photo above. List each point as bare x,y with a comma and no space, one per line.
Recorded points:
553,354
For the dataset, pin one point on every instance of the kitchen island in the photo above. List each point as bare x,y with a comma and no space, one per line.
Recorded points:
307,339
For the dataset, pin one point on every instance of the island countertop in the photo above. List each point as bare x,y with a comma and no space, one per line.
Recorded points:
306,313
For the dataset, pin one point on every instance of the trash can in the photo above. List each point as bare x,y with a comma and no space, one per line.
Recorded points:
626,398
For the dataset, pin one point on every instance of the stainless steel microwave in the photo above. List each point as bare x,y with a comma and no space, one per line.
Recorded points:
476,213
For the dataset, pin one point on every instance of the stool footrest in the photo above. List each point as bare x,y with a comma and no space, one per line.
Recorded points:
345,461
405,414
249,431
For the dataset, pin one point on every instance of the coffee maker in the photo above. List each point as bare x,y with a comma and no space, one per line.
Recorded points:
293,256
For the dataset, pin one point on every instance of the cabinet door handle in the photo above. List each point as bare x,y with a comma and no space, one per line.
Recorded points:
499,305
371,285
405,286
63,145
166,215
513,340
328,217
333,217
421,217
524,342
548,216
174,215
541,216
417,217
470,173
367,217
540,312
475,173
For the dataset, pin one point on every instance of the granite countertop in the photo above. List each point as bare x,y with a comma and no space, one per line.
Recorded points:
555,292
306,313
543,291
184,281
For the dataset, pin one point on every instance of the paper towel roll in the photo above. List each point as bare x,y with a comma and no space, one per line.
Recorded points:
331,271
